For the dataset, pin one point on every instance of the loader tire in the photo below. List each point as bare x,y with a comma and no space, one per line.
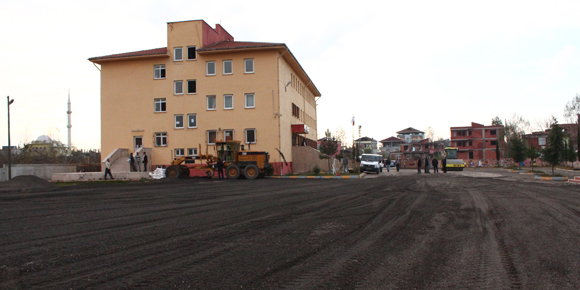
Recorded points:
251,172
233,172
172,171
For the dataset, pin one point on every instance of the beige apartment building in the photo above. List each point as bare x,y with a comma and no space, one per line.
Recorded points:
203,87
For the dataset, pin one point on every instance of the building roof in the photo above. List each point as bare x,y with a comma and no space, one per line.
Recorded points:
365,139
410,130
476,125
226,45
392,139
162,51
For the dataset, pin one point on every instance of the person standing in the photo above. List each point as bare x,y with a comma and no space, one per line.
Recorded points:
138,161
108,169
132,161
388,164
345,164
426,164
419,165
145,161
444,165
220,168
397,165
435,162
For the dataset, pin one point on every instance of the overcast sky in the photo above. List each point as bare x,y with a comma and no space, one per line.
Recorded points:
391,64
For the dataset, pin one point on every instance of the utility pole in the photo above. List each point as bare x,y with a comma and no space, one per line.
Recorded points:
9,146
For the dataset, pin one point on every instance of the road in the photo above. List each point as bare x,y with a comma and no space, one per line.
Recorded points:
472,230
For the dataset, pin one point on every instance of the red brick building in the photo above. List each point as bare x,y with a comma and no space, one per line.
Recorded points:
539,139
476,142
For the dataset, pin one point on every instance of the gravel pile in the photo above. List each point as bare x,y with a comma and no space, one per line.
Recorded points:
24,182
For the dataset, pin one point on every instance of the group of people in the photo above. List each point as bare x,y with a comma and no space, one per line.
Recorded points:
135,162
435,164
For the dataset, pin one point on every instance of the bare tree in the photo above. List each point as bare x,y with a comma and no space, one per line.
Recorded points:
340,135
572,110
544,123
429,133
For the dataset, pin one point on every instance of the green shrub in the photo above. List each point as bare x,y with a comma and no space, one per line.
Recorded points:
316,169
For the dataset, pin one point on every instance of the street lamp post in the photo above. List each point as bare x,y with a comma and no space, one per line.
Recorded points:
9,101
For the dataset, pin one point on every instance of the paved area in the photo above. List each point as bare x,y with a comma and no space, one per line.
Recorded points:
480,229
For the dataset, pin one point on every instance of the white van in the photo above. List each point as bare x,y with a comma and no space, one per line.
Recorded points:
371,163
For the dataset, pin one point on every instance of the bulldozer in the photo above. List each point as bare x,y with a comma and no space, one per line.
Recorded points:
237,162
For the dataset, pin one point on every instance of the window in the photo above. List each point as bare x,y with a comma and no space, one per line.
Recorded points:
179,152
160,139
178,87
228,67
470,155
211,103
210,68
191,151
191,87
178,54
229,135
493,143
250,135
178,121
295,111
191,53
249,65
470,133
228,102
470,143
160,105
192,121
542,141
250,101
211,136
159,71
492,132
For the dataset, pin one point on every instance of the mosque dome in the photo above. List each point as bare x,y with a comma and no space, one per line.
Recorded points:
44,138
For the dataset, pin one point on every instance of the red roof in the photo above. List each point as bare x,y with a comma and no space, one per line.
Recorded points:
392,139
410,130
224,45
155,51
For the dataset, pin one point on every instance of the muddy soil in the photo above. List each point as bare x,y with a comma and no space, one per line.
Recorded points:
408,231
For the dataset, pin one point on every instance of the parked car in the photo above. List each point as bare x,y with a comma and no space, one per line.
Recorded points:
371,163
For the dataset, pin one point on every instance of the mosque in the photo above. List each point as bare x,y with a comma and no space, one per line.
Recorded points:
46,144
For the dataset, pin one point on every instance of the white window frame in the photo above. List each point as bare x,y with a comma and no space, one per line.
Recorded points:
207,68
175,49
246,101
255,136
159,68
188,87
182,121
160,101
229,130
178,152
175,92
542,141
192,152
232,107
231,65
195,49
163,136
207,136
246,66
207,102
189,118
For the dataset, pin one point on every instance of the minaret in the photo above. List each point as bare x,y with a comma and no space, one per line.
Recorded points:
69,125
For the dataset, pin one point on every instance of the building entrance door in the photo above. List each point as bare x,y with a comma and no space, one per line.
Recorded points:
138,142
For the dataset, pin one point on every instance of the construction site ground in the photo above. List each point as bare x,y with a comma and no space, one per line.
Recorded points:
477,229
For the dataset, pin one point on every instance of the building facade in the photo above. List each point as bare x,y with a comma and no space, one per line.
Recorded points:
203,87
367,144
476,142
410,135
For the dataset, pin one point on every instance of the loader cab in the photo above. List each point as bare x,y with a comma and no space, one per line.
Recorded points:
227,150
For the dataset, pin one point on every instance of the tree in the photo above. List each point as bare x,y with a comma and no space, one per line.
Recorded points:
328,147
570,152
340,135
515,126
429,133
517,149
497,122
572,110
553,152
533,153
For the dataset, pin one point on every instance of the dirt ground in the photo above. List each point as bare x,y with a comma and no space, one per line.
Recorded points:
478,229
